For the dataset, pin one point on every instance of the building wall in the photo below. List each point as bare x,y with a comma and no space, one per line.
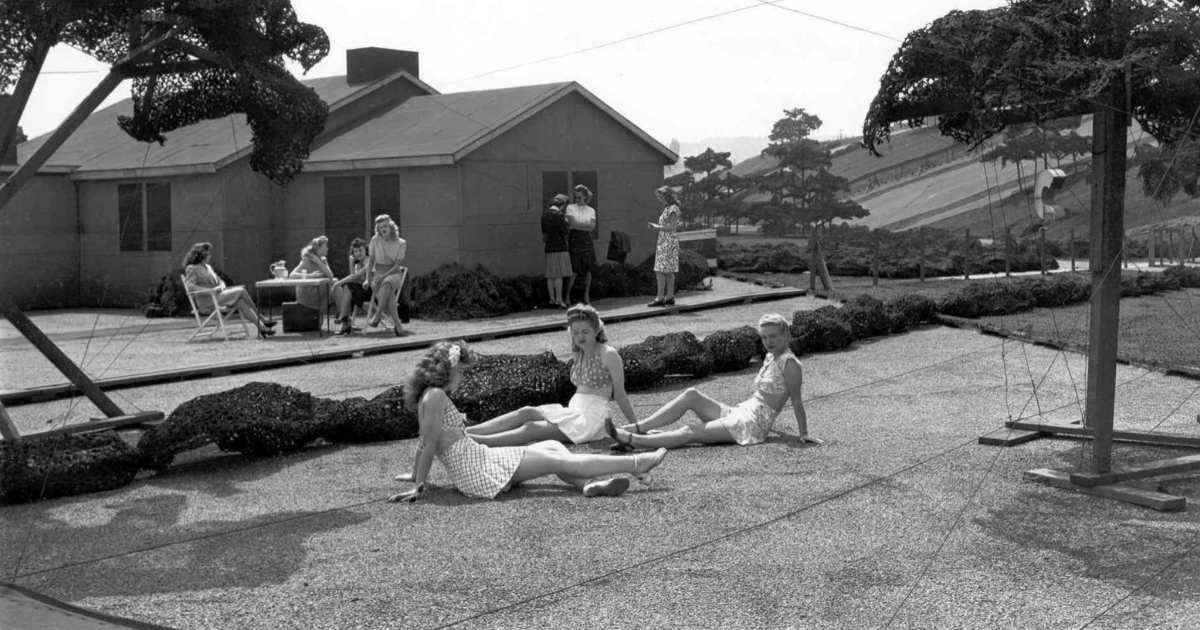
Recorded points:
503,186
112,278
246,237
429,214
39,245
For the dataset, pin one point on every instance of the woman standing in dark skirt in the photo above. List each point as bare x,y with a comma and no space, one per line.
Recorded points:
582,219
558,260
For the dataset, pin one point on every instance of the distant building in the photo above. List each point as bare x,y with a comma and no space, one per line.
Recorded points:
465,175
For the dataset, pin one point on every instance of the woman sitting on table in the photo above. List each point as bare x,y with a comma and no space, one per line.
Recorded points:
778,381
483,472
198,274
313,265
598,376
386,271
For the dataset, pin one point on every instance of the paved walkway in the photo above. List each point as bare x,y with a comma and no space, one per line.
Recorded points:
122,348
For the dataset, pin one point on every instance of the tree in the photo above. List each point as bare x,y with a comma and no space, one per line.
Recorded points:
190,60
706,192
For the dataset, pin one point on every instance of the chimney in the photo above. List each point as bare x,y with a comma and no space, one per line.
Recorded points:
364,65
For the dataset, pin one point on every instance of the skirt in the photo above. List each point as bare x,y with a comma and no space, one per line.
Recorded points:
749,422
558,265
582,420
480,471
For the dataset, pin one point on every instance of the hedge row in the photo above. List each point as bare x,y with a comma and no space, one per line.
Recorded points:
264,419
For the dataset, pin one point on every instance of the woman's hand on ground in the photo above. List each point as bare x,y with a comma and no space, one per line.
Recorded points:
808,439
408,496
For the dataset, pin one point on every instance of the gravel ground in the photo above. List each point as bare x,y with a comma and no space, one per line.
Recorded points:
900,520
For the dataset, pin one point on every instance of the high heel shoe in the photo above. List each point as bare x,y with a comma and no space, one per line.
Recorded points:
656,458
621,445
669,302
263,333
613,487
269,323
657,303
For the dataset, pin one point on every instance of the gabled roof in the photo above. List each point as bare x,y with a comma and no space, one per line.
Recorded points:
444,128
99,149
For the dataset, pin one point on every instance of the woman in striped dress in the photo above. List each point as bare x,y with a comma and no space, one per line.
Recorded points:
483,472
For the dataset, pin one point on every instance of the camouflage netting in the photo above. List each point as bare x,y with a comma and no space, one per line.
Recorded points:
500,383
644,368
821,330
732,350
909,311
866,316
66,465
681,353
258,419
358,420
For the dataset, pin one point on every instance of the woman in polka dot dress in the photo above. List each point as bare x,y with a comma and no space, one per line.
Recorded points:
598,375
483,472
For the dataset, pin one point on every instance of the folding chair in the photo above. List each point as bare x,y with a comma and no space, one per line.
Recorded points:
217,318
374,306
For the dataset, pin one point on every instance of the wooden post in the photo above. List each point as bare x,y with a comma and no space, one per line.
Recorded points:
812,263
57,357
8,430
1072,248
1107,231
1172,254
967,254
875,262
1042,250
1007,252
1150,245
921,235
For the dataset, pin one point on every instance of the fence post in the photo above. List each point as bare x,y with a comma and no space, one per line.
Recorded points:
1007,252
812,263
1151,246
875,262
1072,248
1042,250
921,233
967,254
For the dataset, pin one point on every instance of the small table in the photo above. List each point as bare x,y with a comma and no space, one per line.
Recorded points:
296,282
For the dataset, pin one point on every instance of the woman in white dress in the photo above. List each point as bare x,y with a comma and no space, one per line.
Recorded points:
778,381
598,375
483,472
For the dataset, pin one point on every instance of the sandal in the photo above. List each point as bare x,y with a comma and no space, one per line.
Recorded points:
613,487
611,430
657,457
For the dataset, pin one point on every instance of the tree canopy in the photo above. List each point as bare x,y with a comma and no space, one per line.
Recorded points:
1039,60
191,60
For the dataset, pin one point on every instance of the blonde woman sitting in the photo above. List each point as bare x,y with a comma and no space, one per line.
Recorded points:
314,265
483,472
386,272
778,381
598,375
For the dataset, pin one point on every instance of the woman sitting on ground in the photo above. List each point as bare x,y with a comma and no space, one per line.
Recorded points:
198,274
483,472
314,265
779,380
598,375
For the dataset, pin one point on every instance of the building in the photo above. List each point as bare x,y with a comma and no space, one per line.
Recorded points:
465,175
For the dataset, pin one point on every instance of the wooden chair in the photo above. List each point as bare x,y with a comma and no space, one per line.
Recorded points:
217,319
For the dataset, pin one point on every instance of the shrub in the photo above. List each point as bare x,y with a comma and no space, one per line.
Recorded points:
498,384
681,353
732,349
909,311
866,316
1186,276
1059,291
820,331
59,466
644,368
987,298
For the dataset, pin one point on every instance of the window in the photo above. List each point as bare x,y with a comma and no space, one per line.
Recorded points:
351,205
144,216
555,182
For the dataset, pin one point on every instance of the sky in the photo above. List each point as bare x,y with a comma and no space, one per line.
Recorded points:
679,69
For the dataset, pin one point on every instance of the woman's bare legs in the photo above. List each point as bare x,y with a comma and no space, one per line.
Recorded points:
670,294
341,298
552,458
691,399
515,428
245,307
661,279
712,432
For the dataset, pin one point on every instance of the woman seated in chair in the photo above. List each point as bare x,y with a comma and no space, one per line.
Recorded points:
313,265
198,274
598,375
360,291
386,271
